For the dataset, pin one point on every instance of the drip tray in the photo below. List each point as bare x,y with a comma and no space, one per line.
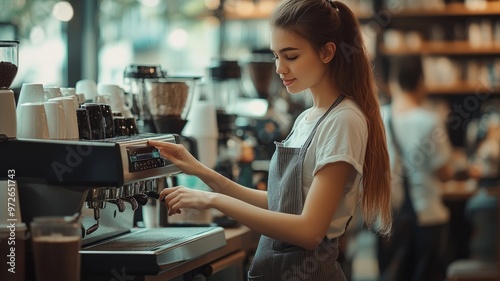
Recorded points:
147,251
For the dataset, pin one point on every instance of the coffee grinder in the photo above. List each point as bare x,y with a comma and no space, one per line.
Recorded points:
224,88
169,100
8,70
135,78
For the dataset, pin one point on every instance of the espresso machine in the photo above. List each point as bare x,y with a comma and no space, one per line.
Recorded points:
104,182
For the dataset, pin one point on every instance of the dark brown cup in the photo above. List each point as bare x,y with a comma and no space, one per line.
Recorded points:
131,125
82,117
56,244
96,119
109,131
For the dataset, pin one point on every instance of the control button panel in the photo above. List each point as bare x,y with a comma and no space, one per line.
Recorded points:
144,158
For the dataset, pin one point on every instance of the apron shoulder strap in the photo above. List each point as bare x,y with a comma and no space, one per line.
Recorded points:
339,99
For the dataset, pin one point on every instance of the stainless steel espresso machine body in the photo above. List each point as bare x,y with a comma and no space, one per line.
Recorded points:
105,181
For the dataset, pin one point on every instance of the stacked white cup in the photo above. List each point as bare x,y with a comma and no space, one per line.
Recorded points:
63,121
30,92
202,126
116,98
70,105
52,92
47,112
69,92
56,120
32,121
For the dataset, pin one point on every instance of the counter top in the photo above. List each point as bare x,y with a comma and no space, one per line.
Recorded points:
239,239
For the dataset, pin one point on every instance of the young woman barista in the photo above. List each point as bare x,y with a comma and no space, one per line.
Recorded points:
334,157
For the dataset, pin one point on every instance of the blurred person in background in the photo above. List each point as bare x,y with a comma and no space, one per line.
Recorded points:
484,167
420,152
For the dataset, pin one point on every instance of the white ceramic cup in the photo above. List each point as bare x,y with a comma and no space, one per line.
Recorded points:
102,99
117,101
70,115
114,94
76,105
78,98
113,91
202,125
56,120
30,92
68,91
60,102
32,121
81,98
202,120
52,92
8,122
88,87
107,89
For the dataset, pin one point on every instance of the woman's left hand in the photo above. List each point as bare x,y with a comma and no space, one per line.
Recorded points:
180,197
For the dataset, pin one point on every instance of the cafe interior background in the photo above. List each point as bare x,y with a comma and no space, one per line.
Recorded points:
459,40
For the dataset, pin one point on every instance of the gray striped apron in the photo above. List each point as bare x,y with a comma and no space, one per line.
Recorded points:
276,260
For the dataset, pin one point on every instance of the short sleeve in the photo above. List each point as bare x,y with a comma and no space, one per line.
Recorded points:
342,136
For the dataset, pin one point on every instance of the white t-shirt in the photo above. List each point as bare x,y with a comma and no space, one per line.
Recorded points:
341,136
426,147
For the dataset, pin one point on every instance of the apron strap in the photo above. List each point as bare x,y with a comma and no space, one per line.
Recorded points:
347,225
309,139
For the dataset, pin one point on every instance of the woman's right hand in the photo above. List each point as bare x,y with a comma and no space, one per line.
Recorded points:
179,156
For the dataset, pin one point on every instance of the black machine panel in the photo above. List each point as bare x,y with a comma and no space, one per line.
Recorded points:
101,163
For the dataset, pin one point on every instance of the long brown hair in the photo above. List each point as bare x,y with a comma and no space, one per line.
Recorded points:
323,21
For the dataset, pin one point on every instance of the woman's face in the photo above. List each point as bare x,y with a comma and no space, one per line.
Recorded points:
297,62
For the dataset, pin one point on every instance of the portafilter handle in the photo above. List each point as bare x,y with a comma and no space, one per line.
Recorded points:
96,200
154,194
114,198
132,202
119,203
142,199
93,228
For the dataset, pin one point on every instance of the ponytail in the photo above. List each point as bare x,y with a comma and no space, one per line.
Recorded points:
354,76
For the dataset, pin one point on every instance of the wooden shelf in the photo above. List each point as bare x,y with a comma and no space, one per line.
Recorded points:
256,14
462,88
363,15
456,48
451,10
247,16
